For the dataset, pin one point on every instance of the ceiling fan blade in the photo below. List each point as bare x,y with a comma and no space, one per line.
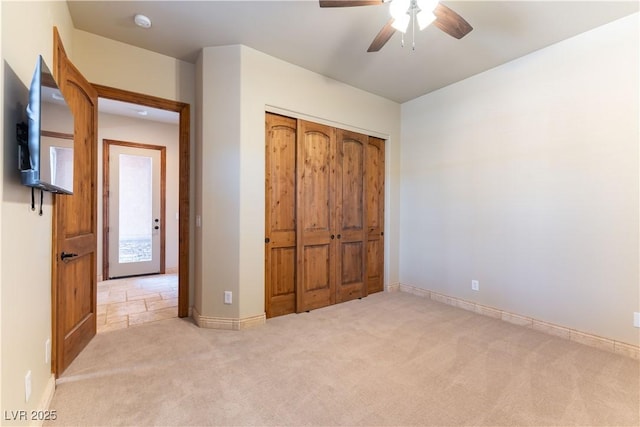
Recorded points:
383,37
348,3
450,22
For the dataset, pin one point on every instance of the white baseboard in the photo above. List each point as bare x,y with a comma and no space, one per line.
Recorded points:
393,287
45,401
591,340
226,323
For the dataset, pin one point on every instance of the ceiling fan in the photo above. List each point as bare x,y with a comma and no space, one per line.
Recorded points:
406,11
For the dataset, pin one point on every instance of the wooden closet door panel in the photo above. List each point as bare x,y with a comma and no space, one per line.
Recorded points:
315,215
280,210
281,274
351,215
375,215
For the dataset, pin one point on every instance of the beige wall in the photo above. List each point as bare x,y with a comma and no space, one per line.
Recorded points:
112,63
145,132
238,84
525,178
26,237
218,191
1,195
115,64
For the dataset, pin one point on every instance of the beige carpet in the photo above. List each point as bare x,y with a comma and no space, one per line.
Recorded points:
389,359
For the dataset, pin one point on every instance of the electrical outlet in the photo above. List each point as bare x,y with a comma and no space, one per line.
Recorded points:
27,386
228,297
475,285
47,351
636,319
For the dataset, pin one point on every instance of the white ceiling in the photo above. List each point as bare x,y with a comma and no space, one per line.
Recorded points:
333,42
134,111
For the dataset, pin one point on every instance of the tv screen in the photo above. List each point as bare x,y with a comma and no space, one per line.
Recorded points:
46,157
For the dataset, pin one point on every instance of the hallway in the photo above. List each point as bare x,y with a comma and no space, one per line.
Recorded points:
136,300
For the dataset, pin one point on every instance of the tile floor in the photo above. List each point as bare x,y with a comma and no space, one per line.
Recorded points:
135,300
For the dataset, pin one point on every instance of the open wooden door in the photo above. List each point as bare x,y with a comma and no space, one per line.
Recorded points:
74,223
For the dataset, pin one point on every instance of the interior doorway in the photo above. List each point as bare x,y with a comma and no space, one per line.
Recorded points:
136,300
183,173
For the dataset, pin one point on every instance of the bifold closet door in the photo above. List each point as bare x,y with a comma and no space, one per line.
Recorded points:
280,212
375,215
351,232
316,236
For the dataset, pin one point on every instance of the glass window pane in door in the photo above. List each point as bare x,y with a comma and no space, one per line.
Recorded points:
135,224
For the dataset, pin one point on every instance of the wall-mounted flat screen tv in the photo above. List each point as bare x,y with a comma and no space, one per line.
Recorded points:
46,147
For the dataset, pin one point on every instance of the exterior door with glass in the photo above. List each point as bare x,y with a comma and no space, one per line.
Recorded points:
135,209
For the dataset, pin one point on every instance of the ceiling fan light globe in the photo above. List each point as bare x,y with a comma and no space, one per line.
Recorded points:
401,24
425,19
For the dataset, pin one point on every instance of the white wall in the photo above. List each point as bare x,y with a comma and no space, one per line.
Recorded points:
141,131
26,237
119,65
526,178
238,85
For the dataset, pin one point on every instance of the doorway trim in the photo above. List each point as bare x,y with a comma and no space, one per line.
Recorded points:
106,194
184,177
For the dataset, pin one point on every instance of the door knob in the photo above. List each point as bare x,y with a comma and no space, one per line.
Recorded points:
65,256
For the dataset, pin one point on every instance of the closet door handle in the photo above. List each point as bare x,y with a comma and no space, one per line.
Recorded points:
266,240
333,236
339,236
